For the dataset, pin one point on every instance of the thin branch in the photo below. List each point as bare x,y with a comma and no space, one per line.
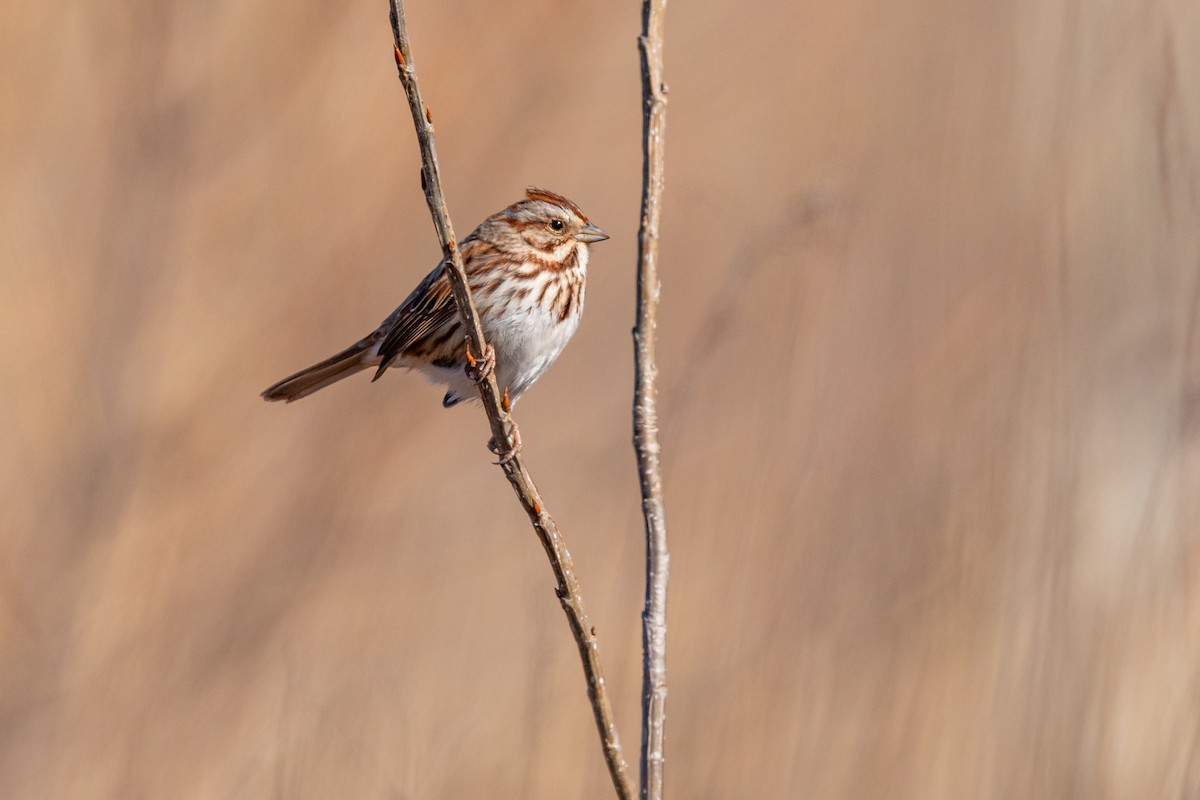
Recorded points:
567,587
645,403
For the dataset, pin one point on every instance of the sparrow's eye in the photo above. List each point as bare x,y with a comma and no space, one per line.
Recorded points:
557,225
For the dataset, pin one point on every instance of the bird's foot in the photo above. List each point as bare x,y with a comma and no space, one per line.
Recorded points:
478,369
508,453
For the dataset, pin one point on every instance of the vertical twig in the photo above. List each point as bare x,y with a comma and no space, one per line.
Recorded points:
567,587
645,403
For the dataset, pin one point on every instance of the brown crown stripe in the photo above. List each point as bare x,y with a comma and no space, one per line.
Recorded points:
537,193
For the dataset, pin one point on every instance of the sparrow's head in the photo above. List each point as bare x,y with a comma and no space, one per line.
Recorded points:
548,223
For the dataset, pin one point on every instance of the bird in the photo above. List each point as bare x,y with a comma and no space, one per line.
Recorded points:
527,268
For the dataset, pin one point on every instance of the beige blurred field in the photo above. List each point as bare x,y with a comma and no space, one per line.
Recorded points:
930,392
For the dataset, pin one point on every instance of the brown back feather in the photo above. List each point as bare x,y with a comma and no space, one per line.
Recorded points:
422,319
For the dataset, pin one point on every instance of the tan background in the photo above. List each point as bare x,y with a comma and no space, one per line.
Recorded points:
931,400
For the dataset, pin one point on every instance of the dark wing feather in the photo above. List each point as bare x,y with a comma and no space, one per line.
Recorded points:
427,311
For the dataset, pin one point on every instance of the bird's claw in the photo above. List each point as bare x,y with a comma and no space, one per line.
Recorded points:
478,369
507,455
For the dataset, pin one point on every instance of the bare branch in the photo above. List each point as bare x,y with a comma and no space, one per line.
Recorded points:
567,588
645,404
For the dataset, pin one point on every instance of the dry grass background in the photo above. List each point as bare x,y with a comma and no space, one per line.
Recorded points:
931,378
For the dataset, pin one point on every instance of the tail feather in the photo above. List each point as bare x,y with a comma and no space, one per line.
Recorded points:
353,359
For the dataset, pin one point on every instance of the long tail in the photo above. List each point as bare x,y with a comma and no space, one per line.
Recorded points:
354,358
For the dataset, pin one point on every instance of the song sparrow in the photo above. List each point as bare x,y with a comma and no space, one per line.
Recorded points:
526,267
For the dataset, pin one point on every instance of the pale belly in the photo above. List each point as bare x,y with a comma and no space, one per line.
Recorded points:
526,344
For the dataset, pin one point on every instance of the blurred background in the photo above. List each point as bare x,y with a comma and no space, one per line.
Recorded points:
930,350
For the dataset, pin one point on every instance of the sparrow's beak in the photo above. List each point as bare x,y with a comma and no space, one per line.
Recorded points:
591,233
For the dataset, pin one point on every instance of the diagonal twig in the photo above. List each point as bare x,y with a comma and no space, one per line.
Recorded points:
645,403
567,587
